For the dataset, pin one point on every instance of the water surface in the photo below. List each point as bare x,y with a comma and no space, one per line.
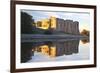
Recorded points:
59,50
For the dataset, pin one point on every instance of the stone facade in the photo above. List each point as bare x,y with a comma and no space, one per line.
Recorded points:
43,24
61,25
67,26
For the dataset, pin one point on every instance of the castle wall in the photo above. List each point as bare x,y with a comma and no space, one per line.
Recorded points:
76,23
66,26
60,24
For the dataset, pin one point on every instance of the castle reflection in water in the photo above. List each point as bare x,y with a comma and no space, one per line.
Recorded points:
48,48
54,49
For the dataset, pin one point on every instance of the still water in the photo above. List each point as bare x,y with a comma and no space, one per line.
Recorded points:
59,50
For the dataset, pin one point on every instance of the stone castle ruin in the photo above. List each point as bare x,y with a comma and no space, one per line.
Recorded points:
60,25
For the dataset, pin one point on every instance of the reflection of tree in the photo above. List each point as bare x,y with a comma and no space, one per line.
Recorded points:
26,51
84,41
85,33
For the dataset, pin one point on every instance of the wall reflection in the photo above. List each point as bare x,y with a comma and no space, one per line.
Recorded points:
54,49
51,49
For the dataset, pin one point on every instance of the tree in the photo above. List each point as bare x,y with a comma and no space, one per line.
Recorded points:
85,32
26,23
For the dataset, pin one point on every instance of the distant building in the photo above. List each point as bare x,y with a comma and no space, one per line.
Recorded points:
58,24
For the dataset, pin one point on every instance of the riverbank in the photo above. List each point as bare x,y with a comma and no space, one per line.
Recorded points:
57,37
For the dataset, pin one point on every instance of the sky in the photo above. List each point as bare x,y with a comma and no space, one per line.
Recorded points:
82,18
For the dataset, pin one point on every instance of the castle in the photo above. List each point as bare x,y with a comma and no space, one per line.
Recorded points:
58,24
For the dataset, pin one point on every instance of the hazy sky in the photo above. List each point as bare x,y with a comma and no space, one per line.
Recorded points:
82,18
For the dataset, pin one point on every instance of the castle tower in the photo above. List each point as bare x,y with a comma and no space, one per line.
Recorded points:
76,28
53,22
68,26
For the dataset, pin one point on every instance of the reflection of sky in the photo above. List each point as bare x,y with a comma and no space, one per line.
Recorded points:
82,18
